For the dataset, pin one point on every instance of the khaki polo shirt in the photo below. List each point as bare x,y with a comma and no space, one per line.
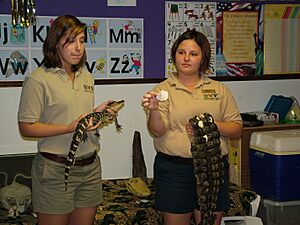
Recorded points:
210,96
49,96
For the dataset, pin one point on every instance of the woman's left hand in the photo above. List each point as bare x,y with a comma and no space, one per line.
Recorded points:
102,106
190,132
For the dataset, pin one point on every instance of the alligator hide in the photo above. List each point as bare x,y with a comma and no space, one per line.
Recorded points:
138,163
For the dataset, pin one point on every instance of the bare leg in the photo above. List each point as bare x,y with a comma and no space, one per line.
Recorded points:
219,216
52,219
177,219
83,216
197,216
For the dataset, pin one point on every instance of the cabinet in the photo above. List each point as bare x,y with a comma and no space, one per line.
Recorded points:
239,153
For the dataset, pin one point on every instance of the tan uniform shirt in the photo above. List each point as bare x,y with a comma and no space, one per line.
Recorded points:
49,96
209,96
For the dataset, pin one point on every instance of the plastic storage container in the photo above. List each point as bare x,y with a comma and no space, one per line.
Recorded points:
279,213
275,164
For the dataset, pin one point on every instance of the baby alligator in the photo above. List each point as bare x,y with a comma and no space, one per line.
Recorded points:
80,134
208,164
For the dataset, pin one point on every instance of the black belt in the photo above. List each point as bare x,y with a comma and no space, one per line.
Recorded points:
61,159
176,159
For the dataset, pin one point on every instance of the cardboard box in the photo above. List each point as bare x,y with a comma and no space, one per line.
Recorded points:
234,157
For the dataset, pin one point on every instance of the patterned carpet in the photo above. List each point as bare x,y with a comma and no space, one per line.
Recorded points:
121,207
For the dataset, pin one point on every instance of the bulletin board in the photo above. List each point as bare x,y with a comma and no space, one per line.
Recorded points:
153,48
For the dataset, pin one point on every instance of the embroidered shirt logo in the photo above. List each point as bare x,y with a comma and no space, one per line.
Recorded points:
210,94
88,88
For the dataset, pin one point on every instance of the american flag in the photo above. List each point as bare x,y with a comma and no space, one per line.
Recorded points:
232,6
234,70
240,70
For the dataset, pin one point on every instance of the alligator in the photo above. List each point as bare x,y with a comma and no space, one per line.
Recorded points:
80,134
208,164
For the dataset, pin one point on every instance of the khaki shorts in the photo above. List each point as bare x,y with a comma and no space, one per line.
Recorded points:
48,186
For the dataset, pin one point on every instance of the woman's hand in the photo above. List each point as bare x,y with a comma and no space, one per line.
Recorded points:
150,101
102,106
190,132
155,122
90,127
72,126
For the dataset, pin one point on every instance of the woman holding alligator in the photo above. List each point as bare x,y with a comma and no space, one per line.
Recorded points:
190,93
54,98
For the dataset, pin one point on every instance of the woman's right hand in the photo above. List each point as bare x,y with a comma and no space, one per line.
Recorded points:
150,101
74,123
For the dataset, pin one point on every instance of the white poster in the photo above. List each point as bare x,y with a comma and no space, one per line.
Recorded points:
180,16
114,47
121,2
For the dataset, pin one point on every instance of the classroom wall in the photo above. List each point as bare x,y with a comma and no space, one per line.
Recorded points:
116,151
153,25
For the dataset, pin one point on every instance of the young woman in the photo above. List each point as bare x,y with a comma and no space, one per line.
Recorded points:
190,93
54,98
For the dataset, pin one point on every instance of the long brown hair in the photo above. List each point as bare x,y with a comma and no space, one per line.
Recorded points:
203,43
58,29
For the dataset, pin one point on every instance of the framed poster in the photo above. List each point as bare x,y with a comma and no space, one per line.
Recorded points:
282,42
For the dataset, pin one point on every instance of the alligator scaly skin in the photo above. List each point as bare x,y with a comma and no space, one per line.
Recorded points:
208,164
80,132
